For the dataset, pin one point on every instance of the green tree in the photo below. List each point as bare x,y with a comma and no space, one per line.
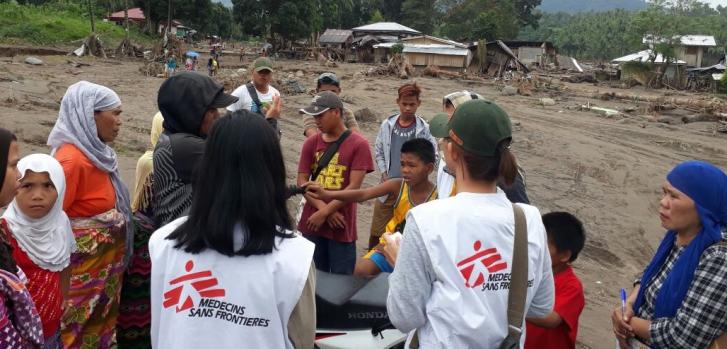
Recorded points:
295,19
392,10
252,16
491,19
377,17
420,15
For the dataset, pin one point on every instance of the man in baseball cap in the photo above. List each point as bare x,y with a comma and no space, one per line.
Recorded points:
322,103
332,225
329,82
257,95
189,103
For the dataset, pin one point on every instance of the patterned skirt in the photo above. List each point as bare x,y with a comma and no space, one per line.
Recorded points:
97,267
134,324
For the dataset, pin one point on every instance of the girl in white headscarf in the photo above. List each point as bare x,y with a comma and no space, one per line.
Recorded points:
42,240
97,203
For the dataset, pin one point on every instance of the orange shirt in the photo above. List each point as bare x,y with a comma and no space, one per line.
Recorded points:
89,191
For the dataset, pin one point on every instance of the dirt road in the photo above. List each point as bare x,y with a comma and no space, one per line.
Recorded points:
608,171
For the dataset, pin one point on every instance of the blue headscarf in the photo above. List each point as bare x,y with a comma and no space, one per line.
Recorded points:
707,186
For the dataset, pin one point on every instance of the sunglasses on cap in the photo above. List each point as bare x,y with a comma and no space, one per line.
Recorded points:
328,79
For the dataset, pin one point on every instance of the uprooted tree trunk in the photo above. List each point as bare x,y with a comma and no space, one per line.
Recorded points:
125,49
400,65
92,46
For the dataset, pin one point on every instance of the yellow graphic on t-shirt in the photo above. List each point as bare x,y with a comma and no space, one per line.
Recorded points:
331,177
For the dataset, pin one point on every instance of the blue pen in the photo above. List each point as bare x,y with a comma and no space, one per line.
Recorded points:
623,302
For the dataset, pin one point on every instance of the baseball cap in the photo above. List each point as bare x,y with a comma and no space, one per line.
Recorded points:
438,125
262,63
459,97
479,126
328,79
322,102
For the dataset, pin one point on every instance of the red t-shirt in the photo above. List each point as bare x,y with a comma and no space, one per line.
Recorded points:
44,286
569,303
354,154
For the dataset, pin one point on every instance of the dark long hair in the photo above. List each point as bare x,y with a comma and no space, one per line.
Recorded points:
6,250
490,169
241,180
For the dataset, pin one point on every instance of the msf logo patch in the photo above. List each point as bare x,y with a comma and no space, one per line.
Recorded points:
202,282
475,268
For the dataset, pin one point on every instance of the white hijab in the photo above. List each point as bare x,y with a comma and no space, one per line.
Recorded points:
48,241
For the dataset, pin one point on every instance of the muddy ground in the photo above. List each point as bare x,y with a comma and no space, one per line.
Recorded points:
608,171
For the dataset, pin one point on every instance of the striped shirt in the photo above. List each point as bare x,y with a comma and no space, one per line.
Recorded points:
702,316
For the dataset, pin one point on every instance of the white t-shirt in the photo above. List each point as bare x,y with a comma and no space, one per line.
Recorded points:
453,271
445,181
209,300
245,101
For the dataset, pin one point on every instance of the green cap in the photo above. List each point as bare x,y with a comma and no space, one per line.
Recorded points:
262,63
479,126
438,126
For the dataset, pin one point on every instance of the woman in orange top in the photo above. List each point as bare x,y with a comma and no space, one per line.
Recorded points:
97,203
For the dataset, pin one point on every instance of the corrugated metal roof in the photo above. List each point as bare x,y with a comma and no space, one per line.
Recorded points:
643,56
335,36
134,14
443,41
386,27
449,50
686,40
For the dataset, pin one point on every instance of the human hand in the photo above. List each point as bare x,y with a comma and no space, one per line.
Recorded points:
316,191
273,112
390,249
316,220
621,327
384,177
336,220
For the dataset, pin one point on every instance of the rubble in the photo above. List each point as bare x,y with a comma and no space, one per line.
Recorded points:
547,102
398,65
33,61
509,91
366,115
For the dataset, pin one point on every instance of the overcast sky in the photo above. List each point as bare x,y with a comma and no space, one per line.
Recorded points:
716,2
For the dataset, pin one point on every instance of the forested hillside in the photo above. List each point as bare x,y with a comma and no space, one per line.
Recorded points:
575,6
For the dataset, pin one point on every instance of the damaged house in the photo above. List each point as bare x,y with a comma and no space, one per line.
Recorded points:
365,37
495,59
423,51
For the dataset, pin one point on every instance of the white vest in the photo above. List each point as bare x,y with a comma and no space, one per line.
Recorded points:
471,252
209,300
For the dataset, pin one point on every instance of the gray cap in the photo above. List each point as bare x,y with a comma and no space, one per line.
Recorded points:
328,79
322,102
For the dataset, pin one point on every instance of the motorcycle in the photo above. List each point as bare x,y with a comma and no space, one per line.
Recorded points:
351,313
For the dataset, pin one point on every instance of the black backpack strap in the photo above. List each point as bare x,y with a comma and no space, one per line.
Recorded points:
255,99
253,95
328,155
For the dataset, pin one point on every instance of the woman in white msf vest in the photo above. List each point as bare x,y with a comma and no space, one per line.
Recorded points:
452,274
232,274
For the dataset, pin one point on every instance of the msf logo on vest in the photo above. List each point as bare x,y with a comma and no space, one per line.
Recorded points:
202,282
482,269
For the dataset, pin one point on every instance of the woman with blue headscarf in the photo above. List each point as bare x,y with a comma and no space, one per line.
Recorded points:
681,300
97,203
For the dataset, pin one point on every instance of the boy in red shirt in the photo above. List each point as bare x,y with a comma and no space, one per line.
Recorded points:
331,224
558,330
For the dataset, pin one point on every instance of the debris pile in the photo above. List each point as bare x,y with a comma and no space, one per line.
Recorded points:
398,66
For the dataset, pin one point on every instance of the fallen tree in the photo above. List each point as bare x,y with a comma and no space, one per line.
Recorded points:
712,105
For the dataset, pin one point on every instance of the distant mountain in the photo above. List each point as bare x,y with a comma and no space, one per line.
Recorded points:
227,3
574,6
